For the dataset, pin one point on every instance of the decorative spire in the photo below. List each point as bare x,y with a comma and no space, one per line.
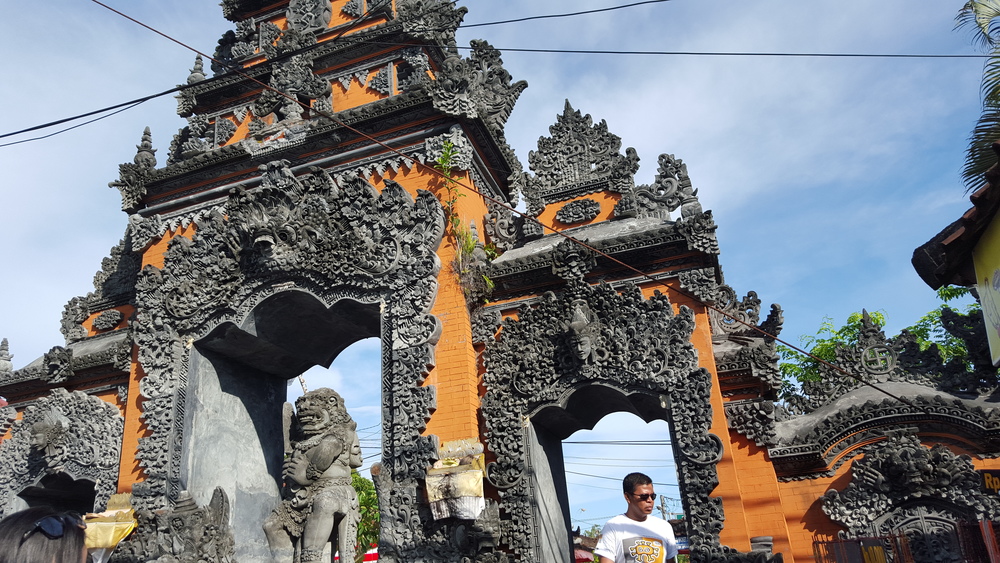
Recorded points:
198,72
146,154
5,357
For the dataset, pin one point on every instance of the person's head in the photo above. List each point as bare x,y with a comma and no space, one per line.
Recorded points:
639,495
42,535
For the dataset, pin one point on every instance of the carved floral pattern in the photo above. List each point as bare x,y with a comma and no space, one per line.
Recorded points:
578,211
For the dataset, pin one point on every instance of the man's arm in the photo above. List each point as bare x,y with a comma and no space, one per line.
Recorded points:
604,559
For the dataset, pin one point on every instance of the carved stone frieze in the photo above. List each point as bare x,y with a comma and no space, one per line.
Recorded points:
485,323
412,71
578,211
294,78
701,283
901,474
108,320
354,8
462,149
752,418
432,20
69,433
309,16
382,81
819,446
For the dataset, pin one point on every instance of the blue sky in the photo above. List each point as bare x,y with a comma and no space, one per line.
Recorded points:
823,173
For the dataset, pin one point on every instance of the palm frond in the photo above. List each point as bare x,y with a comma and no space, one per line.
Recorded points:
983,18
979,156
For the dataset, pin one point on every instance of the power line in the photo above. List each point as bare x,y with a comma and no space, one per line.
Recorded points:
133,103
619,442
565,15
618,479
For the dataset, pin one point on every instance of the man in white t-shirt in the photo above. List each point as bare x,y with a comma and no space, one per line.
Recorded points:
636,536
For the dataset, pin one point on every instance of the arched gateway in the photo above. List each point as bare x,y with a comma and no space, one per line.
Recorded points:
367,191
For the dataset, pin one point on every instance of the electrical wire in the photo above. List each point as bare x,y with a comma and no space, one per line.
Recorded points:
618,479
564,15
432,171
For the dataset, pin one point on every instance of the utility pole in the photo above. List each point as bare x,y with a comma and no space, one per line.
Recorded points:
663,506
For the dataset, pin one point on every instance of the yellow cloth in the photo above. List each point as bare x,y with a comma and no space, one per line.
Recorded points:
107,534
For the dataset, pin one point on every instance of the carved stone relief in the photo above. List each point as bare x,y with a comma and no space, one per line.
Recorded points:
901,483
477,86
183,532
69,433
578,153
309,16
578,211
108,320
593,335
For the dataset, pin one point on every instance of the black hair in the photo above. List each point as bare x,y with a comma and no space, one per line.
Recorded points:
22,542
633,480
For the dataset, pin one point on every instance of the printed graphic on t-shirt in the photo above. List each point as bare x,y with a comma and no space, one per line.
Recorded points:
643,550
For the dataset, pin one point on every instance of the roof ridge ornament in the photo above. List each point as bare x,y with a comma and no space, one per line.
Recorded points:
579,152
132,176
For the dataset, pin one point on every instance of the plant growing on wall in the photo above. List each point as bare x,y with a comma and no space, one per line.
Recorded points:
471,258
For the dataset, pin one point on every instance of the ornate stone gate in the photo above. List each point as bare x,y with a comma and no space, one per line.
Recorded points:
292,220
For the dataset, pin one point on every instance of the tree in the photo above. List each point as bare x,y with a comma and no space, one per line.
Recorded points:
982,17
930,330
368,526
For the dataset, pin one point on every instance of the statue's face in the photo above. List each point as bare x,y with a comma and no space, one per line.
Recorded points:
582,346
315,412
38,439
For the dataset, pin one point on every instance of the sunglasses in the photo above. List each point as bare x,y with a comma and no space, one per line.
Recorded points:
55,526
645,496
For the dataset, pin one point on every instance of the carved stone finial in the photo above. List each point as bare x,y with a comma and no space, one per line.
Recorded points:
198,72
5,357
75,312
146,154
132,176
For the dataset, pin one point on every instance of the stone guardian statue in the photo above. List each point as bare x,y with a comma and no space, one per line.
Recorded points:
319,505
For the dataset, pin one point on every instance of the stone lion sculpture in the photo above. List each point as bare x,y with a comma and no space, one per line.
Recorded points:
319,505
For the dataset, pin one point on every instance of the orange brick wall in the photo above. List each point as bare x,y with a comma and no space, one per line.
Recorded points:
735,533
455,375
